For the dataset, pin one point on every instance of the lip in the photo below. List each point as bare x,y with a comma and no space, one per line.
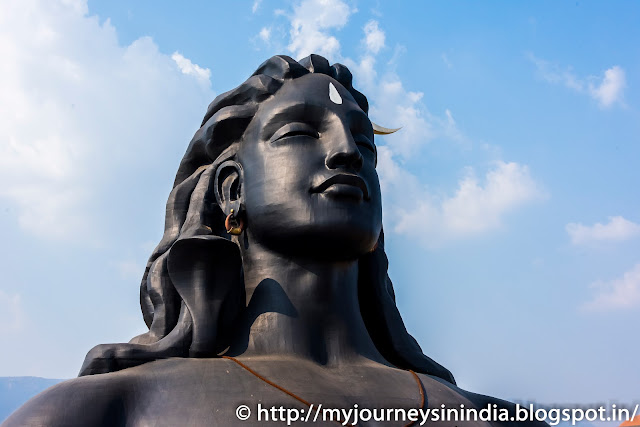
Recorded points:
343,184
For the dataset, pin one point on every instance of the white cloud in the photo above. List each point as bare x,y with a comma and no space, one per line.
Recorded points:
265,34
310,25
402,108
77,106
621,293
394,179
11,313
607,92
617,229
475,208
189,68
554,74
364,73
256,5
610,89
374,37
395,107
312,22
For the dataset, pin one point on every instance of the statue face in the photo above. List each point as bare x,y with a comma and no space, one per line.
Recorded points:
310,187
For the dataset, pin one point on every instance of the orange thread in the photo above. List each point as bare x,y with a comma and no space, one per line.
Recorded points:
271,383
301,400
421,388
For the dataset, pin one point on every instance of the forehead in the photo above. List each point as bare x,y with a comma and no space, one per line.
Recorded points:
312,90
317,87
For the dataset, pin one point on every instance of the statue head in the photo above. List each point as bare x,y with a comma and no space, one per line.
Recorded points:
303,176
291,152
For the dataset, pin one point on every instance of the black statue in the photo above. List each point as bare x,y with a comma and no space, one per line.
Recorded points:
270,283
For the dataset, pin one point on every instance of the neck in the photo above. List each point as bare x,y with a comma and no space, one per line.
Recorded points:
301,308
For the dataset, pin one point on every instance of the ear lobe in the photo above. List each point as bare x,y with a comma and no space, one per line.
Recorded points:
228,186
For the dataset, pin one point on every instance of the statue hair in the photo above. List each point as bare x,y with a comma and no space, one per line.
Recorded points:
194,235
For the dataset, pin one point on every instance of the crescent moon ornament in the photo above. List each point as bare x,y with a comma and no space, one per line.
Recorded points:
379,130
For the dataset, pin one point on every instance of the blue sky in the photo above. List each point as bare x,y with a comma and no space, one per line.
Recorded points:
510,195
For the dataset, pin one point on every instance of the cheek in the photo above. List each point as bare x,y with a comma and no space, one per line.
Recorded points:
289,170
276,189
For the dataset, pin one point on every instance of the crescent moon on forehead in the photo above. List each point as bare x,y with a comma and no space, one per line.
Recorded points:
379,130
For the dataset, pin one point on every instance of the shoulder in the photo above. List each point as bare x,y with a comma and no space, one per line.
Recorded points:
95,400
501,412
168,389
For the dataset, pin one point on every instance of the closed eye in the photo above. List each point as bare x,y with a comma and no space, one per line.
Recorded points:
294,129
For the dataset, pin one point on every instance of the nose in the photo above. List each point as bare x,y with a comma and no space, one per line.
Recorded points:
344,153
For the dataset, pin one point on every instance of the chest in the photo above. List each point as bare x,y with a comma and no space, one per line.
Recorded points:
230,395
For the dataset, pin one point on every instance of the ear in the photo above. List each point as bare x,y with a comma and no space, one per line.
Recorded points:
228,186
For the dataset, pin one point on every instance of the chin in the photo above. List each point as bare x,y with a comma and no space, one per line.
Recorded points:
329,242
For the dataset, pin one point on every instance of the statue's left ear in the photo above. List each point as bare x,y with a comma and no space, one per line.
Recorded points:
228,186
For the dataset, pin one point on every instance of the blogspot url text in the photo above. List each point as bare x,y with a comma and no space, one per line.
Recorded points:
492,412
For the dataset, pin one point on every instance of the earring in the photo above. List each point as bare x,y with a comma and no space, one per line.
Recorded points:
376,245
234,224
